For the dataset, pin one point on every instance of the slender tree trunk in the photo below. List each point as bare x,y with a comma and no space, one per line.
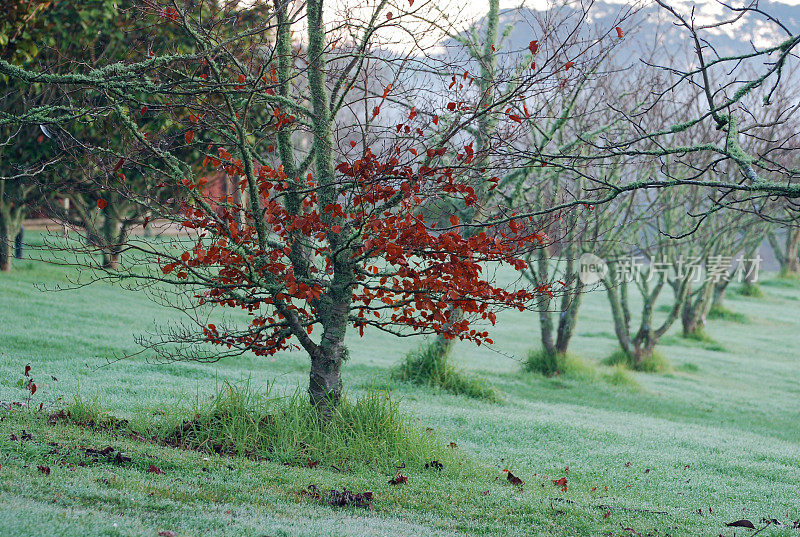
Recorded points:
720,289
5,250
543,304
7,234
19,243
570,304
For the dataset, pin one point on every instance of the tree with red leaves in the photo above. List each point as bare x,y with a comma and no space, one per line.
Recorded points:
337,177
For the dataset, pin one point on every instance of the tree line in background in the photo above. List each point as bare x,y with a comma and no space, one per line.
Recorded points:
375,181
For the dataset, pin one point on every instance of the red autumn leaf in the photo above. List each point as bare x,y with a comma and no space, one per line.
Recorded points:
143,110
620,33
102,204
398,479
32,388
152,469
435,120
44,469
455,220
352,143
189,136
560,482
389,15
568,66
533,46
376,111
514,480
118,165
451,106
28,370
514,117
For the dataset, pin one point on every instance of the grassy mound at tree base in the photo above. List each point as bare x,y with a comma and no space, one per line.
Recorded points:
754,291
426,367
239,420
655,363
558,364
724,314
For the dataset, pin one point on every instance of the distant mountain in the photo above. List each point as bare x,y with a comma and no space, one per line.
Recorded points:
652,27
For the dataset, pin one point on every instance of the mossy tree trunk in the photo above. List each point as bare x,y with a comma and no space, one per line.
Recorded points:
696,307
787,253
640,346
556,336
325,381
12,213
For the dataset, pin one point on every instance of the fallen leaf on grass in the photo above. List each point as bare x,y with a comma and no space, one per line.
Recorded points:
561,483
514,480
167,533
743,523
398,479
348,497
152,469
311,491
104,451
44,469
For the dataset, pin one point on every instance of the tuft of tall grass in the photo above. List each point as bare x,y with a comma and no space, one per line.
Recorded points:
621,377
558,364
90,413
370,431
755,291
426,367
654,363
722,313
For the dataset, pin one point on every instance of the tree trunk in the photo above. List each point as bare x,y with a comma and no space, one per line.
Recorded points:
18,243
6,240
694,312
616,293
791,263
569,317
5,253
641,352
325,381
720,288
111,260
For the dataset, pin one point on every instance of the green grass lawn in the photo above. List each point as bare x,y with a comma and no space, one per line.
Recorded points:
682,453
